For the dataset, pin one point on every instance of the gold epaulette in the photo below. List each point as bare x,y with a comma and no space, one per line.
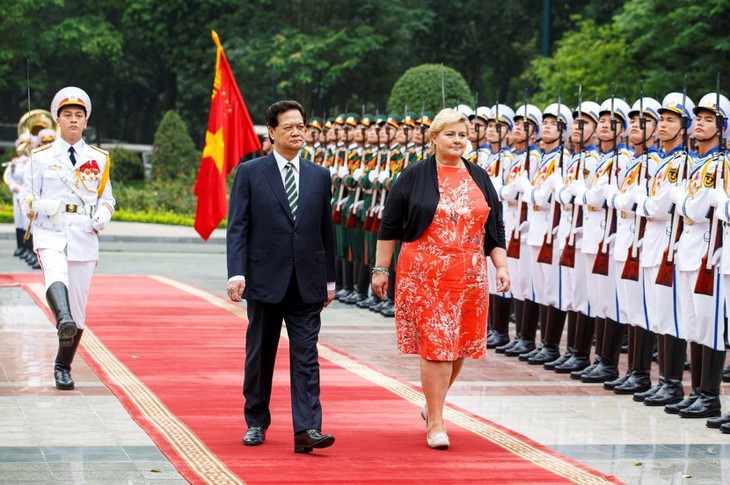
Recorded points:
99,150
41,148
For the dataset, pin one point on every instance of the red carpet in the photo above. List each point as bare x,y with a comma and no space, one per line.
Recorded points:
174,357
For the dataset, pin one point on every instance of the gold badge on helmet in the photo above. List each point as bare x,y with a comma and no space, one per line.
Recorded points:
673,175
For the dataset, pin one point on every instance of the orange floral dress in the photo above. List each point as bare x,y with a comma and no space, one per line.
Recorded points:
442,294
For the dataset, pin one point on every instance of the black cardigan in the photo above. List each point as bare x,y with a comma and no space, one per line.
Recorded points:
413,198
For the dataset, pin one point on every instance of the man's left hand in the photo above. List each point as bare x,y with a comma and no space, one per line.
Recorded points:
330,297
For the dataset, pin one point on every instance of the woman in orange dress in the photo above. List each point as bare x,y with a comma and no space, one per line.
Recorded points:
447,214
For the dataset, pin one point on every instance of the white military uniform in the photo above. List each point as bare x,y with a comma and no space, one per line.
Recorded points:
72,203
497,164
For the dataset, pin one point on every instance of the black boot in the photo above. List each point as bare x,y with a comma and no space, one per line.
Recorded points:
369,302
518,306
500,312
584,330
607,368
62,366
671,393
570,344
362,286
554,325
659,353
541,322
32,259
708,405
642,348
726,374
716,423
526,342
629,341
19,233
57,297
695,378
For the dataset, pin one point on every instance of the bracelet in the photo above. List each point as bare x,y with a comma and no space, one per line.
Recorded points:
381,269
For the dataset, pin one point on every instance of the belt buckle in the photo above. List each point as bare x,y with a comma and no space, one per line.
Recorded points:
72,208
688,221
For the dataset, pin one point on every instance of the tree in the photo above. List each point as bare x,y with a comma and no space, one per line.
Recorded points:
420,89
173,154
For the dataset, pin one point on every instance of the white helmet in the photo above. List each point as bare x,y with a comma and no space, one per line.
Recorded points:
620,109
71,95
531,113
563,114
465,110
672,102
589,108
709,103
505,113
650,106
482,112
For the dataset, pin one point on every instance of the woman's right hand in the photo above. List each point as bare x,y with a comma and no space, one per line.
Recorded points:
379,283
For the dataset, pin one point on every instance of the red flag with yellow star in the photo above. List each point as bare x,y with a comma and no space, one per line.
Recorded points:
230,136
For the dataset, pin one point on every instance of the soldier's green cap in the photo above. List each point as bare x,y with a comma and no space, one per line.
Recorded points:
352,119
330,121
340,119
368,120
394,120
410,119
316,123
426,118
381,119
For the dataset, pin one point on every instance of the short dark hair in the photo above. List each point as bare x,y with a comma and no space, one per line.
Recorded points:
273,111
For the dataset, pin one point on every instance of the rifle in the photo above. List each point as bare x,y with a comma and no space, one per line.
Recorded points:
705,284
631,266
546,251
567,257
351,221
600,265
513,248
337,210
665,275
370,211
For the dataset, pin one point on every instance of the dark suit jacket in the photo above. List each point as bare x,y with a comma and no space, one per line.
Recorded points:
265,245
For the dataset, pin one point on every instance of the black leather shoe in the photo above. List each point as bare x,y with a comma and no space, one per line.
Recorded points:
706,406
525,356
726,374
559,361
305,441
520,347
637,382
368,302
576,363
343,293
601,373
504,348
355,298
62,376
670,393
254,436
610,385
717,422
546,354
577,374
685,403
497,339
725,428
388,310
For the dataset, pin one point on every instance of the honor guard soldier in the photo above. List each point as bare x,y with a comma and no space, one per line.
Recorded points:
643,119
541,214
676,122
498,160
313,149
598,225
425,124
478,136
578,172
68,196
527,121
701,313
344,281
13,177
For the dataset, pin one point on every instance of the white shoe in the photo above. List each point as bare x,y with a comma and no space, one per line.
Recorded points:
438,441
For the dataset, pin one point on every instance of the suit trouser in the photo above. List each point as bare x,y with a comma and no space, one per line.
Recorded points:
262,340
76,275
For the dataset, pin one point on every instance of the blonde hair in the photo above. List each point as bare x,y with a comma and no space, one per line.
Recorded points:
445,117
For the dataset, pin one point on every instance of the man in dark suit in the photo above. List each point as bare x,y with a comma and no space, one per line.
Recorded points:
281,259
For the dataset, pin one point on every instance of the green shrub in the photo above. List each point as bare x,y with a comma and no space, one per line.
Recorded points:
420,88
126,165
173,153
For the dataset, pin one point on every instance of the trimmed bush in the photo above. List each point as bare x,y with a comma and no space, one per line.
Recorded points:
419,88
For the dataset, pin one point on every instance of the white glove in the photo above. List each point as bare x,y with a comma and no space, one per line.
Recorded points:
609,191
508,192
372,176
383,176
578,187
677,194
357,174
716,256
101,219
716,197
552,181
359,205
333,172
638,194
523,185
343,171
524,226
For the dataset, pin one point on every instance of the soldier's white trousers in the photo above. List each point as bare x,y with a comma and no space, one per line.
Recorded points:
700,316
660,302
